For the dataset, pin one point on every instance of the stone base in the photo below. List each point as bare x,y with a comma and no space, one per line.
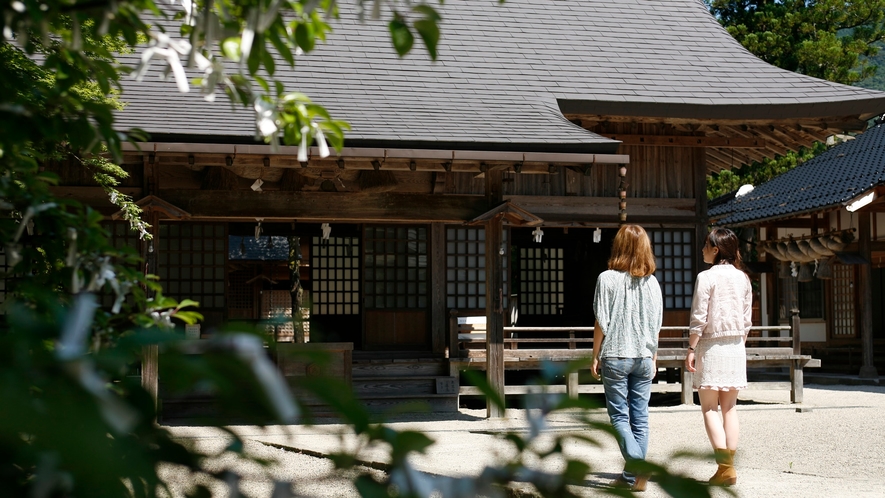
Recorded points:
868,373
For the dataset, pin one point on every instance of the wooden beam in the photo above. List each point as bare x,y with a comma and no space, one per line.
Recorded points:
715,164
337,206
833,124
724,159
753,132
687,141
577,208
93,196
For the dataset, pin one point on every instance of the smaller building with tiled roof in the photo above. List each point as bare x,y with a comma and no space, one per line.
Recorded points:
830,181
823,224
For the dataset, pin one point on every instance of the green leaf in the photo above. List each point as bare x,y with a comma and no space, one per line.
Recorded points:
231,48
407,442
254,62
483,385
263,83
184,303
304,37
429,32
189,317
281,46
576,471
401,36
269,64
429,12
369,488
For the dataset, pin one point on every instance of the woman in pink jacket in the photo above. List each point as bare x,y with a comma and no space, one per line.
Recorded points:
721,316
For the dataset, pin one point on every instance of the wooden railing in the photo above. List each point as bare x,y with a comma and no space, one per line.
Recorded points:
779,347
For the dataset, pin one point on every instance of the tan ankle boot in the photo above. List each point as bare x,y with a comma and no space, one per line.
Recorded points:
725,475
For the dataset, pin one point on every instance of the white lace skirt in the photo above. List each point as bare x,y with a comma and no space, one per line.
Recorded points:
721,364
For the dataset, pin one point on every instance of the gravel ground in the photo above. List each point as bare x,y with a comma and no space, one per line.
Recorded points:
834,447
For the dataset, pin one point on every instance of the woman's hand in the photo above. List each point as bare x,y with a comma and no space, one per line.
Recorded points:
689,361
594,368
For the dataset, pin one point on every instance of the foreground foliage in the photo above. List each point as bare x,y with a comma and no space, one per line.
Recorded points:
75,420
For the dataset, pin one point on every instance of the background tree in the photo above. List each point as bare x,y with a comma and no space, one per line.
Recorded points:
827,39
835,40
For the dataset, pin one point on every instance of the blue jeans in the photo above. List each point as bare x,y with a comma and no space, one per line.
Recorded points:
627,384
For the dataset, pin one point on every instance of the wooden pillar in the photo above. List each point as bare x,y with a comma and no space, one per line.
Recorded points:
572,385
699,158
797,381
687,388
796,376
494,312
699,161
150,361
438,318
494,293
868,368
296,292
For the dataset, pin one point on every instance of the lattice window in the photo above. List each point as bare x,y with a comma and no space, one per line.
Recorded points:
240,293
396,269
541,280
809,298
335,275
465,268
192,259
674,256
844,321
276,305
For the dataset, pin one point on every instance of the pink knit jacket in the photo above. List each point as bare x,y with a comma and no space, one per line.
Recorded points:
722,304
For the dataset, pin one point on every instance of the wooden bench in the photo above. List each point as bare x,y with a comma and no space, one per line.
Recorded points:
525,348
767,346
781,350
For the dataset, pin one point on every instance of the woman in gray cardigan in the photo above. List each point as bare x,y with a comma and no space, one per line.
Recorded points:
629,313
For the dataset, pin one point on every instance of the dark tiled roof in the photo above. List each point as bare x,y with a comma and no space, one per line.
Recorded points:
830,179
506,72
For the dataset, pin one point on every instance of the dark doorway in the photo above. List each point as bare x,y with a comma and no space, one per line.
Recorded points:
554,280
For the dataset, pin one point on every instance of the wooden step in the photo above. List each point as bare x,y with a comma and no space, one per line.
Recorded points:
437,403
399,368
396,355
403,386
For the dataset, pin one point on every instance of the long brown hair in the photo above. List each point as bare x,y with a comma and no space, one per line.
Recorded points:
631,252
729,247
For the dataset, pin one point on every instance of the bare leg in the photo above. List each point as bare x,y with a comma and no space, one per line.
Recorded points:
712,422
722,431
728,404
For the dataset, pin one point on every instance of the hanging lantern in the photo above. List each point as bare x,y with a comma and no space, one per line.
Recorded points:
537,235
806,272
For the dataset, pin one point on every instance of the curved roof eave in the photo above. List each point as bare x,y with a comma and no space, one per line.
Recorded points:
751,110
